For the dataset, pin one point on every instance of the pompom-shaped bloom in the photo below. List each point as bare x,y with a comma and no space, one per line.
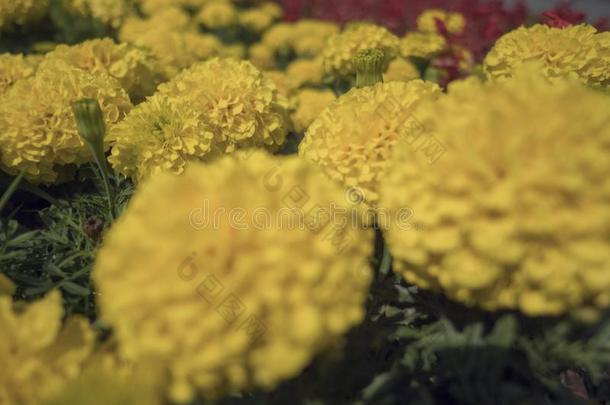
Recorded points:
21,12
238,104
309,105
216,14
109,12
516,212
158,135
424,45
13,68
454,22
401,70
354,137
37,351
341,48
137,70
577,49
37,128
242,301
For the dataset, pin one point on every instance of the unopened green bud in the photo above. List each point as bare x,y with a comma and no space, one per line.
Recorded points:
369,64
89,120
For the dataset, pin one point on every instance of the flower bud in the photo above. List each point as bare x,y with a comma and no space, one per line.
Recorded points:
369,64
89,120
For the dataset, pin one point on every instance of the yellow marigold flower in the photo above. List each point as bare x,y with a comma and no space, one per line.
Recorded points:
109,12
341,48
577,49
170,19
516,212
306,71
454,22
37,128
137,70
180,50
241,303
216,14
255,20
262,56
401,70
422,45
239,105
21,12
354,137
310,104
159,135
14,68
36,351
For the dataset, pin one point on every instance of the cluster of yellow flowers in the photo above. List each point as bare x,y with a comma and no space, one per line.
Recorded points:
516,213
428,21
354,137
138,71
305,39
36,350
20,12
577,49
214,107
37,129
228,306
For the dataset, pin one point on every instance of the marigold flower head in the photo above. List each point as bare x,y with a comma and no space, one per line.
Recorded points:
453,22
136,69
160,134
233,305
577,49
154,7
37,128
239,105
516,213
341,48
109,12
424,45
354,137
14,67
309,105
21,12
216,14
401,70
306,71
37,351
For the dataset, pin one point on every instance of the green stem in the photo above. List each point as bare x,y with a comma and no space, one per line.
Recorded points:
10,190
100,158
